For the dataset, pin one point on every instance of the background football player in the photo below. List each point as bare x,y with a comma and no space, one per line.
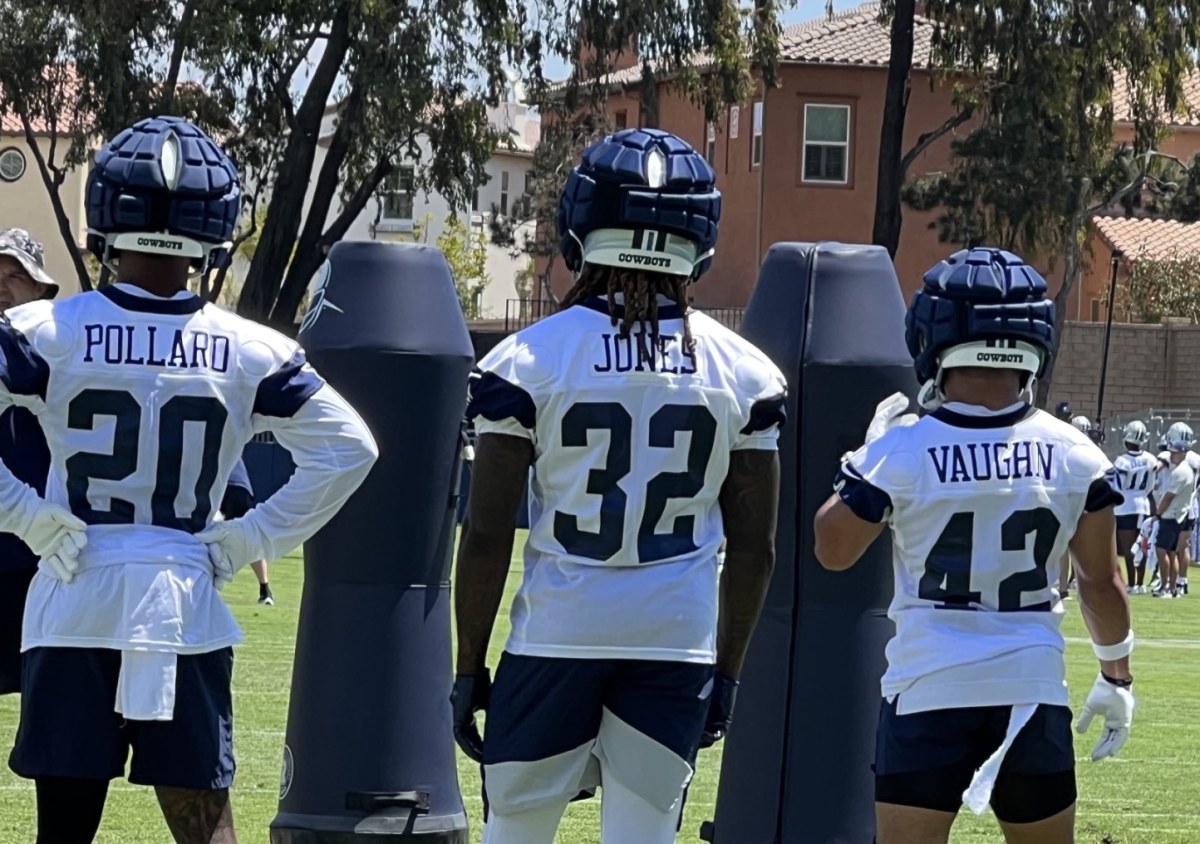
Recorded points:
1136,470
23,279
147,395
651,433
983,495
1174,507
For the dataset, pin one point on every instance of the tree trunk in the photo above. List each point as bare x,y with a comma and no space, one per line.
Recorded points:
888,215
311,251
182,33
1070,276
60,212
292,175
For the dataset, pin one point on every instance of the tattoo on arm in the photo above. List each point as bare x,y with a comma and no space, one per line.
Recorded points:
197,816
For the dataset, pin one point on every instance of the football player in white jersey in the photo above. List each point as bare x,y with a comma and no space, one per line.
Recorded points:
651,434
982,496
147,395
1174,507
1136,471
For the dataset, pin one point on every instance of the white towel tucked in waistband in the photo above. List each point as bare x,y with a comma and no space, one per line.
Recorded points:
979,794
146,686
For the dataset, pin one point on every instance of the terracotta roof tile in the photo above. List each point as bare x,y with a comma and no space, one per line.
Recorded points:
1191,93
10,124
1146,238
855,36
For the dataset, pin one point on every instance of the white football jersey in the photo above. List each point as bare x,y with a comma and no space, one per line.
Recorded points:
1136,475
146,404
1164,480
981,510
631,438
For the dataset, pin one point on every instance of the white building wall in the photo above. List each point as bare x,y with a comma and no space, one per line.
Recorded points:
430,210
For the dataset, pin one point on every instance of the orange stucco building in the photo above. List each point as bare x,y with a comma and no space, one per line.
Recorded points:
799,164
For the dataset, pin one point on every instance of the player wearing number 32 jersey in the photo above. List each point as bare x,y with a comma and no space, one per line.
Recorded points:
983,496
147,394
651,434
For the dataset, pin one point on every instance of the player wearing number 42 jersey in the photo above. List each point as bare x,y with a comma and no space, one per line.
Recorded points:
651,434
147,395
983,496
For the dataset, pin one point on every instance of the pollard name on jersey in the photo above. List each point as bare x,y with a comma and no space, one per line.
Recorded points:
150,345
981,509
146,403
632,437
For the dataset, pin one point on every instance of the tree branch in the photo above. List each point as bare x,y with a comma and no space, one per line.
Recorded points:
60,212
928,138
177,50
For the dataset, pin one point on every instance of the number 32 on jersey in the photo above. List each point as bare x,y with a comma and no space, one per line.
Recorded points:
665,425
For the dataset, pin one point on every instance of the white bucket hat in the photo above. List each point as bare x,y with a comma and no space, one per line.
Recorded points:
19,244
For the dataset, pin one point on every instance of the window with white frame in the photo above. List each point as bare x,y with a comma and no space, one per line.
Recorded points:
503,191
710,146
827,143
398,190
756,148
734,115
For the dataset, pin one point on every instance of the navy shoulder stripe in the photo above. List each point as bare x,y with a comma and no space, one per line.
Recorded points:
495,399
1100,495
865,500
284,392
765,413
22,369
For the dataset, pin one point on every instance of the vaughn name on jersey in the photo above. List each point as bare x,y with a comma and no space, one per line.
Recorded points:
981,510
631,438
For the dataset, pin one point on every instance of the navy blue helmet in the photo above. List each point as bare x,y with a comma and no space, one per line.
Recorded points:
642,199
1063,411
982,308
162,186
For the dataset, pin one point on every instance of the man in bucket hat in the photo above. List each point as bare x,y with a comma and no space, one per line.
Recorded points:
23,276
23,279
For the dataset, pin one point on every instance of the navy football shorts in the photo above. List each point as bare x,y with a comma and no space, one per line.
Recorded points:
1131,521
1168,534
14,585
927,760
69,729
553,722
1187,524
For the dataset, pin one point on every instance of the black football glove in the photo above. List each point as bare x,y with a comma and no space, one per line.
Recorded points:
720,710
470,695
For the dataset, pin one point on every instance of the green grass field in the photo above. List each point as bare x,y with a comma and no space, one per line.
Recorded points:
1147,796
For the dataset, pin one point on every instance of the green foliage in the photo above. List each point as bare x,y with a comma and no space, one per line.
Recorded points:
466,253
1162,287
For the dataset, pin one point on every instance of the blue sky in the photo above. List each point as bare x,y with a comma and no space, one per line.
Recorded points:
804,10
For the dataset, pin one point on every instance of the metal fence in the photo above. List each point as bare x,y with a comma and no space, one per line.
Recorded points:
522,313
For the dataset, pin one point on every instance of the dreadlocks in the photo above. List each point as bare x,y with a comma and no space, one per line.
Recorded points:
640,290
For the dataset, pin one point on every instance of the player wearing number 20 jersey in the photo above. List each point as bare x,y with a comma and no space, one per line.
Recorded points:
147,394
648,434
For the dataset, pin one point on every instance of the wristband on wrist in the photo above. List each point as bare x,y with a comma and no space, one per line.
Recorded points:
1110,653
1120,684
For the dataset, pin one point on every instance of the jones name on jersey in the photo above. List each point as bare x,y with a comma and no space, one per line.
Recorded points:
981,510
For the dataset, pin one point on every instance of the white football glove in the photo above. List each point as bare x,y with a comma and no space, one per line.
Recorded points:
57,536
230,549
889,414
1116,706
